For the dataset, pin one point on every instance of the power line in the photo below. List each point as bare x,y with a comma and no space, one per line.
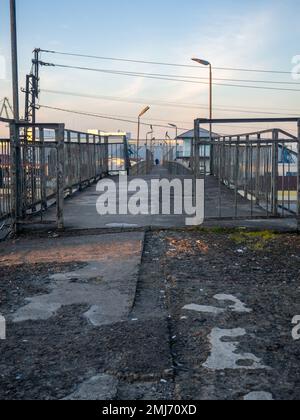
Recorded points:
200,78
113,118
163,63
165,78
166,104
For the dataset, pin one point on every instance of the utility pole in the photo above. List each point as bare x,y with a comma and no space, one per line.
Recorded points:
14,60
14,128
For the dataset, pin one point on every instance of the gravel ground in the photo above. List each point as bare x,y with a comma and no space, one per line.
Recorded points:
262,270
163,349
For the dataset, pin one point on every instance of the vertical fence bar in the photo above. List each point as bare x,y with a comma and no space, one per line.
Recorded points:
15,193
69,153
257,176
59,134
79,160
126,155
106,156
246,167
43,181
221,158
274,189
237,171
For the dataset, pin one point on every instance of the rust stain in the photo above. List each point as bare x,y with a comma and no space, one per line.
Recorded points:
72,253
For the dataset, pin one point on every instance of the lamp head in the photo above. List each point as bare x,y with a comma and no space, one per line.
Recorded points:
202,62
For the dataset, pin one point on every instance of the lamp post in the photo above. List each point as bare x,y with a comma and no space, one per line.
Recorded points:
207,63
176,128
14,59
138,133
167,144
148,152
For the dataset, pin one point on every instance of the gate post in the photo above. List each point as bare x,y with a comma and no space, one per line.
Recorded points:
126,155
275,173
16,175
43,180
257,173
106,156
60,138
196,151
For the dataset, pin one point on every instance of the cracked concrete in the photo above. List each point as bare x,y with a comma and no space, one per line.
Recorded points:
107,285
224,355
238,306
258,396
98,388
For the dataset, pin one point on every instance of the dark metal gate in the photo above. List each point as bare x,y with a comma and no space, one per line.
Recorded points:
249,176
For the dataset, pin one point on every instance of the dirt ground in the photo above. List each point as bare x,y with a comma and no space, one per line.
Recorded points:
211,319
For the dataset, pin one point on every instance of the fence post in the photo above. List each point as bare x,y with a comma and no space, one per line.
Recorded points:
60,138
196,149
13,175
275,173
126,155
70,169
106,156
298,179
246,168
43,172
237,175
79,160
257,176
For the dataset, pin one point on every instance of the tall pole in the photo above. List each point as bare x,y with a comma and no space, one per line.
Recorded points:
14,59
210,100
176,139
138,134
138,140
14,129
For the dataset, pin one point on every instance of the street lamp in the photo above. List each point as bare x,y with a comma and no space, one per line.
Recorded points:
139,128
176,128
207,63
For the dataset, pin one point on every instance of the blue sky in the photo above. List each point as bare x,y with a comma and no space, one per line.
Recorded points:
260,34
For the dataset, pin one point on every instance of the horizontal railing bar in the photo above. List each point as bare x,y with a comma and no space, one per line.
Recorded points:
246,120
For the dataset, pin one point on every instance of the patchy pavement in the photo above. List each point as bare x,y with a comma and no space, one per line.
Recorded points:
191,314
235,341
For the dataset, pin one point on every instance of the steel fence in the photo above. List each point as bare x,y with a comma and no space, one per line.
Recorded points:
5,179
262,168
47,163
253,175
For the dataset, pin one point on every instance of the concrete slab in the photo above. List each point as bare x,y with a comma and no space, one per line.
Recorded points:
98,388
81,213
106,283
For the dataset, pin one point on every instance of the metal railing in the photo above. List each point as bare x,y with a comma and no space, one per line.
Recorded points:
256,175
47,163
261,167
5,179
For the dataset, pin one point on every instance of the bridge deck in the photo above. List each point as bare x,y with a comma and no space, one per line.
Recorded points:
80,211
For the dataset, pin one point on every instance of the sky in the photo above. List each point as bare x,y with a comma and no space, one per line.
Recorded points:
257,34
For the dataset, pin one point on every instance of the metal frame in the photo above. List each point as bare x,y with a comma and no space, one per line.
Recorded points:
230,149
55,165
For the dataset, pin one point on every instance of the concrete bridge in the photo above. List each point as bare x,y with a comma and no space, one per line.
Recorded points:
52,181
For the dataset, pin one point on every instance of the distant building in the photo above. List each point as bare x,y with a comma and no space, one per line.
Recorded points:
114,137
204,151
187,139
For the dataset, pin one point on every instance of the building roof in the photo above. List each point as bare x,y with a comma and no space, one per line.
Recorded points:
188,135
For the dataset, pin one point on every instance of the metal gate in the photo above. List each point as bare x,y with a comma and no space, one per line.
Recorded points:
48,163
249,176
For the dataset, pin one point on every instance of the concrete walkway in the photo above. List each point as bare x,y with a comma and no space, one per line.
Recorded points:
81,213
